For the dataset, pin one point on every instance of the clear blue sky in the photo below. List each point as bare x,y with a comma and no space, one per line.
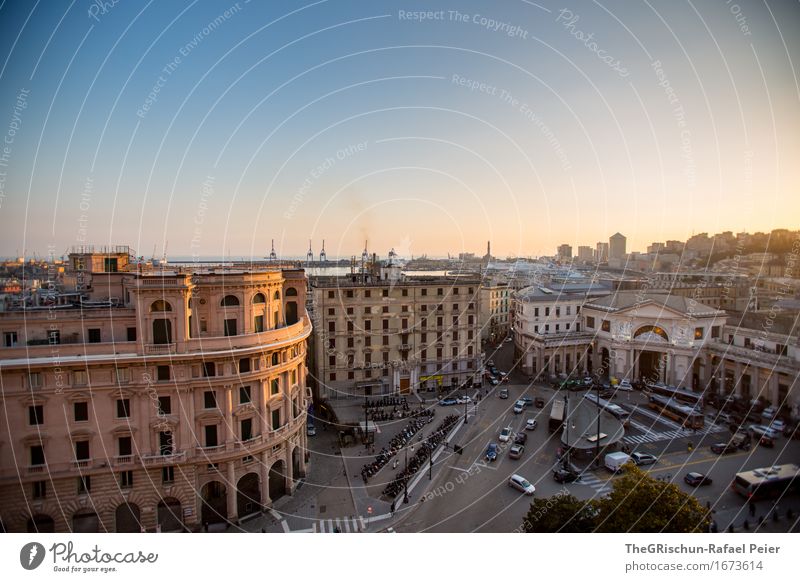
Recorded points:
218,126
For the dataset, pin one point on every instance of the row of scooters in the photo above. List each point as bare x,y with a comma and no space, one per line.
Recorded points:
395,445
420,457
395,414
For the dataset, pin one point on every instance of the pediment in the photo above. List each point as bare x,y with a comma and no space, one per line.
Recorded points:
653,311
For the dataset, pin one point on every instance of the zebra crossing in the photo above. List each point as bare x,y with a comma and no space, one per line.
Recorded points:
598,485
652,437
340,525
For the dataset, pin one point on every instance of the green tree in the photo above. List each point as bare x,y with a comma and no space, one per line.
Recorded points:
560,513
639,503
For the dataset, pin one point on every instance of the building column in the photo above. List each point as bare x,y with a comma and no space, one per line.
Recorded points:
265,499
231,493
773,389
635,365
289,469
230,436
755,381
737,379
263,387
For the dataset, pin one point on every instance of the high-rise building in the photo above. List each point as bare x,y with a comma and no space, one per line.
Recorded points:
585,254
601,252
153,400
617,247
564,252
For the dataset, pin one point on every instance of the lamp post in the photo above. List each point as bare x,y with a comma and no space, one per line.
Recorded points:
405,478
465,403
430,467
566,432
366,422
597,442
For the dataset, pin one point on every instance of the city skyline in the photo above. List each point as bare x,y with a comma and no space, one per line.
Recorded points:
219,128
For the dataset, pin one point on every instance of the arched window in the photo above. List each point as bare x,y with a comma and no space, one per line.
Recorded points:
291,292
259,298
160,305
229,301
277,295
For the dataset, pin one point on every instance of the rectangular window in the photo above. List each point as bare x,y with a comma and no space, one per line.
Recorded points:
94,335
547,312
82,450
37,455
384,292
367,341
131,334
80,378
536,312
244,365
276,419
606,325
162,373
332,327
126,479
168,475
350,327
367,293
123,408
258,323
84,484
124,446
331,295
698,333
165,446
349,293
80,411
424,292
54,337
229,327
405,293
203,326
10,339
211,435
590,322
715,331
164,405
331,311
349,311
332,377
123,375
274,386
350,342
332,361
386,340
244,395
36,414
209,399
209,369
39,489
247,429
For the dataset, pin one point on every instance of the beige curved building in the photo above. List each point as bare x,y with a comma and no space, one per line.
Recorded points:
172,400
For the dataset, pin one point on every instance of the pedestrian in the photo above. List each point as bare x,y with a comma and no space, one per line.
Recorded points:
392,508
752,508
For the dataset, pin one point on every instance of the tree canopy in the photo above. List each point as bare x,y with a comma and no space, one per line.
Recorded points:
637,503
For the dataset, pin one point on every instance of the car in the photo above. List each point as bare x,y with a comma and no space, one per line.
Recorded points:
311,430
501,373
463,400
587,381
644,459
697,479
505,435
503,394
769,413
761,430
520,438
527,400
519,406
766,441
448,402
539,402
491,452
625,385
509,339
722,418
565,476
515,452
530,424
723,448
778,425
521,484
493,382
490,363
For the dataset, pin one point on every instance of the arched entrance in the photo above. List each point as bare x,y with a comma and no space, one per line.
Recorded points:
170,517
85,521
215,503
248,495
277,480
650,366
296,465
41,523
127,518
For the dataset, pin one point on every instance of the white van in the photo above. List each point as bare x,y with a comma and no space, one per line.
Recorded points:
614,461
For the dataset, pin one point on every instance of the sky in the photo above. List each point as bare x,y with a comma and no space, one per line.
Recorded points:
213,128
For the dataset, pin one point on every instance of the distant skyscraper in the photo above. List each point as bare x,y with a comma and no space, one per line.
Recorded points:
601,252
585,253
616,246
564,252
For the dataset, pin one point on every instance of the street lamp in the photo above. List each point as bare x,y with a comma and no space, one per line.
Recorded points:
430,467
566,431
405,478
597,442
465,403
366,422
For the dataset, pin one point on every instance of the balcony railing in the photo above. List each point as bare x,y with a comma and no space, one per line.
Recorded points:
82,464
163,459
158,349
122,460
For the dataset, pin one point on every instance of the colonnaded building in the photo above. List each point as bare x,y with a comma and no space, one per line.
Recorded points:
152,399
580,329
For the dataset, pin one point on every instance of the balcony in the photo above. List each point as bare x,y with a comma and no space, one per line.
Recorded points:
36,469
151,460
122,460
159,349
82,464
